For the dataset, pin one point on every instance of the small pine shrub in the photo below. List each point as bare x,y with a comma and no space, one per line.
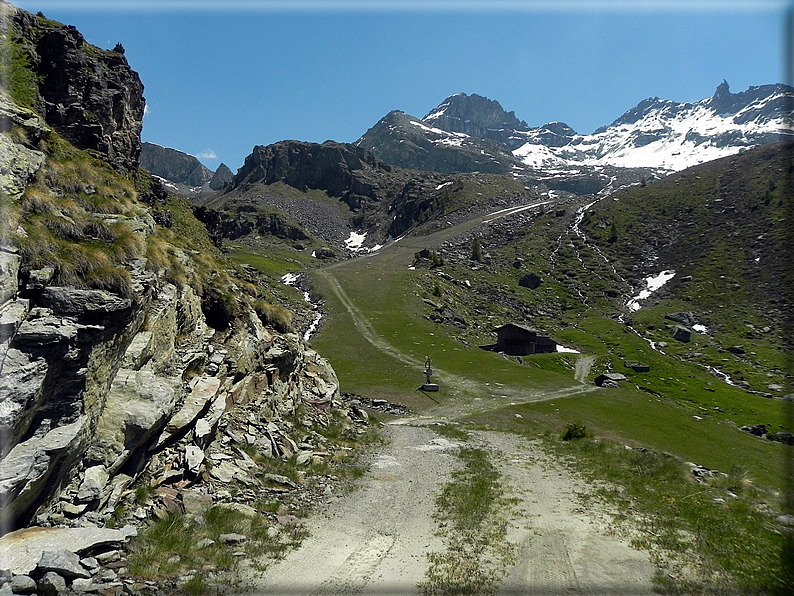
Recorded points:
476,250
574,430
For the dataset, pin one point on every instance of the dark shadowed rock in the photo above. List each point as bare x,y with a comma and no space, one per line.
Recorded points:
609,379
531,281
759,430
682,334
51,584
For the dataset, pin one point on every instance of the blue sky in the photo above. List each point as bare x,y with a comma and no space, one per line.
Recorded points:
222,76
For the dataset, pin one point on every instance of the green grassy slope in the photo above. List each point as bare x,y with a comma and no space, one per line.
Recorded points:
679,406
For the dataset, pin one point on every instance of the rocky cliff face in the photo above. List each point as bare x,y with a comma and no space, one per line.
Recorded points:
174,165
344,171
92,381
90,96
147,348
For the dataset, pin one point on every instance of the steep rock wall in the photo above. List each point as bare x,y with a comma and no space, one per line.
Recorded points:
94,380
90,96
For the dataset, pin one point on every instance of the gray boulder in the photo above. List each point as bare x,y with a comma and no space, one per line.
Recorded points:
39,279
9,267
42,328
94,480
51,584
136,409
685,318
73,301
21,550
23,584
83,585
682,334
24,472
63,562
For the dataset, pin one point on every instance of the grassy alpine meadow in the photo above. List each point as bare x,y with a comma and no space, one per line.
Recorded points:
719,534
677,407
627,416
392,304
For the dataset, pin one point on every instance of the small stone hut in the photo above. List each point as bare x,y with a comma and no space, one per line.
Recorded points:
517,340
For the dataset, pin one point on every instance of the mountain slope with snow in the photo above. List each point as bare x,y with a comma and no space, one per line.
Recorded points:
667,135
468,133
408,142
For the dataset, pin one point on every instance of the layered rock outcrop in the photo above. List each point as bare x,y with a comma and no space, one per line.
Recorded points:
90,96
94,383
20,158
345,171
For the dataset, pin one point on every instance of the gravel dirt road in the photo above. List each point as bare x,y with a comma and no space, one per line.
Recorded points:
375,539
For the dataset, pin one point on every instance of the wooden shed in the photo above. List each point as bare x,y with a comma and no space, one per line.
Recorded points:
517,340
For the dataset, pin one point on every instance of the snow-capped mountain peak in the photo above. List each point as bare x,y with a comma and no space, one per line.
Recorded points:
667,135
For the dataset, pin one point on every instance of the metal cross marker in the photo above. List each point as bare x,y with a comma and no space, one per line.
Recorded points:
428,386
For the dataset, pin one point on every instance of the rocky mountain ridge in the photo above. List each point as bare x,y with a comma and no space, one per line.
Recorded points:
182,173
309,194
656,137
669,136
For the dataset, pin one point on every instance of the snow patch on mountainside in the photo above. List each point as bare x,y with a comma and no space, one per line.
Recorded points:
438,131
539,156
667,135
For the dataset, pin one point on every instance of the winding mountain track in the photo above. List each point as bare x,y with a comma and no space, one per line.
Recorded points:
375,540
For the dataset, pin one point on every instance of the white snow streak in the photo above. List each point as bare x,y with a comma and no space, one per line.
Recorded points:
652,284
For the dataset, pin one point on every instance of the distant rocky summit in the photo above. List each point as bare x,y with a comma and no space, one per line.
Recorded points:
408,142
222,176
478,116
174,165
